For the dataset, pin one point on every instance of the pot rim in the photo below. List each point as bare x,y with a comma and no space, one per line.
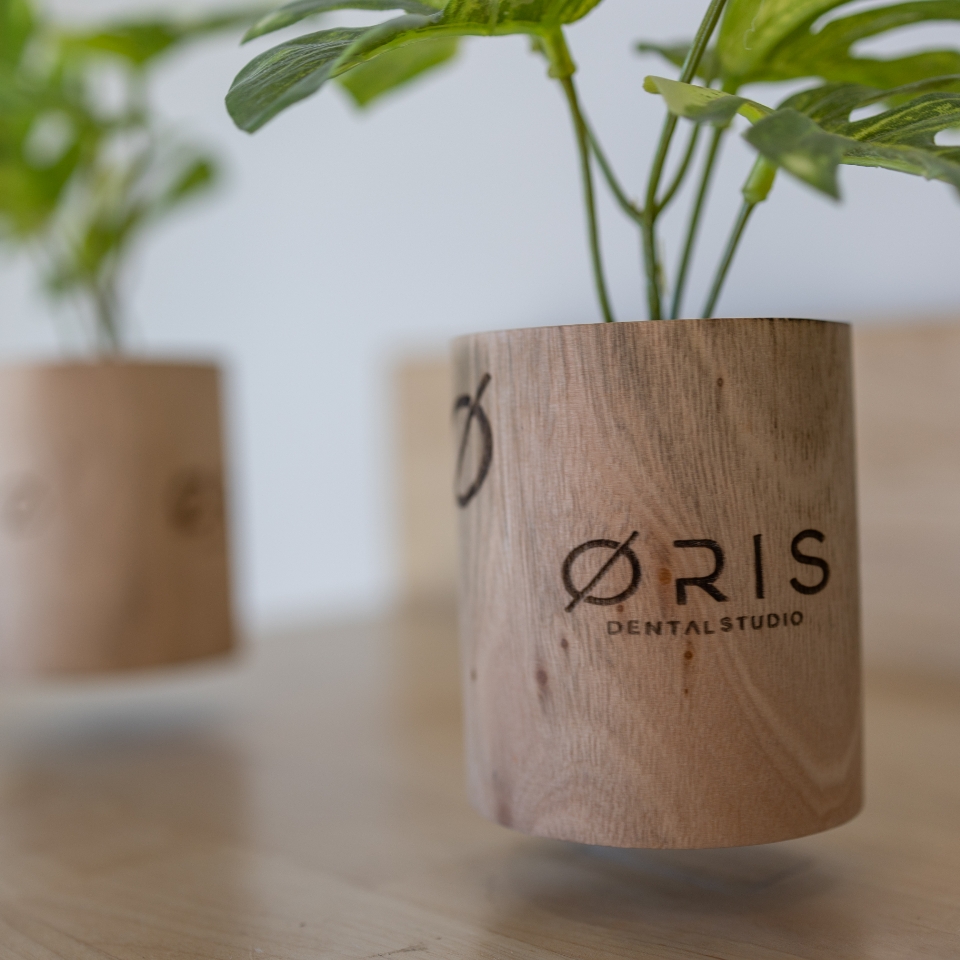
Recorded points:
123,362
640,323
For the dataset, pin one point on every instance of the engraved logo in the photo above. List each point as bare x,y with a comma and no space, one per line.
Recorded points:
26,505
194,502
620,550
700,550
475,414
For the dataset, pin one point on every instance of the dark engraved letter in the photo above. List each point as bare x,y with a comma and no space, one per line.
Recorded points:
758,563
633,627
614,626
773,620
796,618
650,628
475,412
704,583
726,624
810,561
692,625
619,550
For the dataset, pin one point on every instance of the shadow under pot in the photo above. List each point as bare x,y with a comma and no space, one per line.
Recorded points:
659,580
113,543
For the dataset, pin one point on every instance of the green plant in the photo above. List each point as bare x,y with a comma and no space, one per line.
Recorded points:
86,171
770,41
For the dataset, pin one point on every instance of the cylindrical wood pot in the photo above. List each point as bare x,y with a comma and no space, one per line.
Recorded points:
113,548
659,593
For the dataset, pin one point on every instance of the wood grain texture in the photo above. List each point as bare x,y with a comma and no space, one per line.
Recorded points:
113,551
307,803
650,709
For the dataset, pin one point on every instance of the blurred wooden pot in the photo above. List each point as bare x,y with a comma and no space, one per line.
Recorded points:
659,581
113,549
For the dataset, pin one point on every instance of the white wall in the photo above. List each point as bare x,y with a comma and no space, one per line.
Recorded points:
343,239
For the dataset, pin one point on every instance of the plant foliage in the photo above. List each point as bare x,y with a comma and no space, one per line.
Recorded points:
913,98
295,70
812,134
770,41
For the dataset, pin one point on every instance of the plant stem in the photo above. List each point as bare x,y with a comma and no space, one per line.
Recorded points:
651,207
583,142
108,330
702,40
683,168
620,195
724,268
693,227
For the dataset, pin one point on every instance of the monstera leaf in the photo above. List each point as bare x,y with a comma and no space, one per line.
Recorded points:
291,13
811,133
395,68
293,71
766,41
703,105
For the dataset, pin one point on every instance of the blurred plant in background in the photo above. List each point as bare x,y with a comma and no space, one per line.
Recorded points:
86,165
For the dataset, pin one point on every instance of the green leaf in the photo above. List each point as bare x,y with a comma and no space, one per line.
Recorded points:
752,29
703,105
900,139
832,103
765,41
395,68
291,13
198,176
289,73
799,145
827,52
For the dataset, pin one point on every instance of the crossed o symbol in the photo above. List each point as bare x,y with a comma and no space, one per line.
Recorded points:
476,414
619,550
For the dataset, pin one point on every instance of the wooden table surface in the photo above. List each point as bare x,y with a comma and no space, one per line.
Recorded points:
307,802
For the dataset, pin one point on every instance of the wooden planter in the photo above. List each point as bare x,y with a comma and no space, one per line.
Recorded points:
113,551
659,580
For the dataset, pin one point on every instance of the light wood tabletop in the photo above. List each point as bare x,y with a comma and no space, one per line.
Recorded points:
307,801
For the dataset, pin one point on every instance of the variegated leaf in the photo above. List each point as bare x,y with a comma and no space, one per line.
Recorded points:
293,71
703,105
769,41
395,68
291,13
752,29
811,134
287,74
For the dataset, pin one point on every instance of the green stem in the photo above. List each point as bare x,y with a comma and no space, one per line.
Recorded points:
108,329
702,40
748,207
681,174
651,209
696,214
620,195
583,142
